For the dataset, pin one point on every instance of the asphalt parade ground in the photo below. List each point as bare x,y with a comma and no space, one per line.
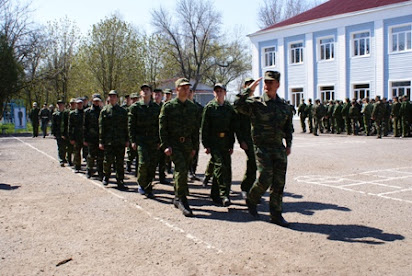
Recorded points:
348,198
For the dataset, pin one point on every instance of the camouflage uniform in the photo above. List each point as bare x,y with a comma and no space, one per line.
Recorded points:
194,161
272,122
113,134
345,115
367,113
179,130
34,117
218,128
302,115
354,115
144,132
337,116
76,118
318,112
91,137
405,113
59,130
396,106
378,114
308,112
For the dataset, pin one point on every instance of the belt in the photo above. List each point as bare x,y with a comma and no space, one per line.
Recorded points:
221,134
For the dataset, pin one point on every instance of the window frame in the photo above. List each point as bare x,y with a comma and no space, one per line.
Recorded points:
293,93
319,48
390,39
352,41
333,92
301,52
367,90
264,57
407,87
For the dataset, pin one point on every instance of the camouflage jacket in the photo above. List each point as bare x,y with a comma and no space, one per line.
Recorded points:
405,110
301,110
91,125
271,119
308,110
345,109
113,125
219,124
367,110
354,112
144,123
378,112
318,111
178,126
337,112
59,123
76,119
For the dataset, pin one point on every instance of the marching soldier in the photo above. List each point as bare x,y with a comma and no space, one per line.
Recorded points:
113,138
59,130
44,116
302,115
179,136
318,112
158,99
272,124
76,118
34,117
194,161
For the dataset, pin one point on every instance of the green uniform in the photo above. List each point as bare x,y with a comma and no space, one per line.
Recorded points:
144,132
271,124
179,131
91,137
131,153
396,106
378,114
245,135
70,148
354,115
345,115
76,118
318,111
194,161
59,130
338,118
405,113
162,160
218,128
34,117
302,116
308,112
367,109
329,115
113,135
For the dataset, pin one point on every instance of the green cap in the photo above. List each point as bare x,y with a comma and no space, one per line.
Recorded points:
168,91
146,85
182,82
158,90
60,102
248,80
272,75
113,92
219,85
134,96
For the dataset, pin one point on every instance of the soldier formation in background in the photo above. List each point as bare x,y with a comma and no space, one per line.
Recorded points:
378,117
157,130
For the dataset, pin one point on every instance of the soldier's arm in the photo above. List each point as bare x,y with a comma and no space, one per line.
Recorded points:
86,127
132,124
235,125
163,127
289,131
101,128
205,128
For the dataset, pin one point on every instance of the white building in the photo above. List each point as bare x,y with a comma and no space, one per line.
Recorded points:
340,49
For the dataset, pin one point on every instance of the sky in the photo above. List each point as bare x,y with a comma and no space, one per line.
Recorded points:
236,14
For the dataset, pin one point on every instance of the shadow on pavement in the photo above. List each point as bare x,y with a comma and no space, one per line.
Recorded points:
308,208
348,233
8,187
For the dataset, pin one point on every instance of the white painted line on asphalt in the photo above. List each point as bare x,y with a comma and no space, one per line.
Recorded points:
162,221
394,192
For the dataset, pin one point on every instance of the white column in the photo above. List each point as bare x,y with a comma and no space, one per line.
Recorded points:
340,89
281,64
379,64
309,62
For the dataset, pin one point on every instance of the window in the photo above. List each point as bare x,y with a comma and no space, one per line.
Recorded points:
400,88
297,96
326,48
269,56
361,91
361,44
296,53
401,38
327,93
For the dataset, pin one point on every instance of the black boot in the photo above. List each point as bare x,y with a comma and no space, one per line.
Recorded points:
252,208
89,173
183,206
276,218
206,180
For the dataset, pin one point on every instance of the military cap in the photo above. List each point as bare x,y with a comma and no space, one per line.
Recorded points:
182,82
79,100
113,92
97,99
83,98
157,90
96,95
127,96
60,102
34,104
134,96
72,100
248,80
272,75
168,91
146,85
219,85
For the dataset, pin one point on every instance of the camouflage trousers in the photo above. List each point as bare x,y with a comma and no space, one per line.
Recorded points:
77,160
302,123
131,155
310,123
339,124
95,154
181,159
380,126
162,165
250,174
405,126
317,125
114,154
61,149
367,124
348,125
148,160
355,125
194,161
209,168
69,152
222,173
272,164
396,126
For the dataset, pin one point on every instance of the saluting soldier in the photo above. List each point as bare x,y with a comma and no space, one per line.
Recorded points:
113,138
144,136
59,130
76,119
179,136
272,124
218,136
91,138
